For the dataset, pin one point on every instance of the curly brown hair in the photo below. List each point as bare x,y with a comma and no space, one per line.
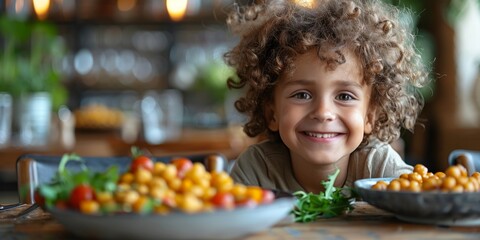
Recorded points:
273,33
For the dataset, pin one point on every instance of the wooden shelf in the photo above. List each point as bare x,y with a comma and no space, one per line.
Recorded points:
227,141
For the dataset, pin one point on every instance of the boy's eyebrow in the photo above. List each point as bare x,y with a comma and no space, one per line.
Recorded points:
345,83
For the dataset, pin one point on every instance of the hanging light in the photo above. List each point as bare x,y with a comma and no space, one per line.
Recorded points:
41,8
176,9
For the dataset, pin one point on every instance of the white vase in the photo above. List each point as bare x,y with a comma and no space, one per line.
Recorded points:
35,118
5,118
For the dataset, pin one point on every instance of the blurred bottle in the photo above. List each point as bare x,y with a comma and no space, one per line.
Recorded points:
5,118
153,119
67,127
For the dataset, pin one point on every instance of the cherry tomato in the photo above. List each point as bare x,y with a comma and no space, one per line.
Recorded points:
246,202
223,200
39,199
267,196
141,161
80,193
182,165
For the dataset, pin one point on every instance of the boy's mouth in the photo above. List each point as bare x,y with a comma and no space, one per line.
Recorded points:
320,135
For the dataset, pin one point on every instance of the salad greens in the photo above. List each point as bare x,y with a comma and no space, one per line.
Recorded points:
331,203
65,180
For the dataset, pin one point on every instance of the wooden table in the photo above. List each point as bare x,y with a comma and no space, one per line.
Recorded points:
365,222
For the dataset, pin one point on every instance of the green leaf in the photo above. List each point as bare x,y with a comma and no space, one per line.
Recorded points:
106,181
329,188
64,160
136,152
331,203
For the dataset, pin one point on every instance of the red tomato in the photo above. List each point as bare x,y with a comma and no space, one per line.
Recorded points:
267,196
39,199
141,162
80,193
246,202
182,165
223,200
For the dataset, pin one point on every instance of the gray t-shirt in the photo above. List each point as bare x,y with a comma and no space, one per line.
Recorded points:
267,164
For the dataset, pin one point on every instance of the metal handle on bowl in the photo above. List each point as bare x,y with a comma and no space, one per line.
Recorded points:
466,160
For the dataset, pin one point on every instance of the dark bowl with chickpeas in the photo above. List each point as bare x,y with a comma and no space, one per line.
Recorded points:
444,198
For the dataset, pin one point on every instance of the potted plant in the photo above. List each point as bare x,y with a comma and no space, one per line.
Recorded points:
31,49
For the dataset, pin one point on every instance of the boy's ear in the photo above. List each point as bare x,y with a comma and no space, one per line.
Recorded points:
369,120
271,119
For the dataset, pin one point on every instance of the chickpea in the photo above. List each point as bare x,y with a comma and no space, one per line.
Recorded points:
190,203
127,178
131,197
380,185
198,191
458,188
103,197
157,182
449,183
158,168
404,175
468,187
394,185
169,173
142,176
222,181
196,173
431,184
255,193
440,175
89,206
174,183
454,179
415,186
430,175
462,180
239,191
158,193
204,182
142,189
415,177
475,183
453,171
420,169
186,185
476,175
404,183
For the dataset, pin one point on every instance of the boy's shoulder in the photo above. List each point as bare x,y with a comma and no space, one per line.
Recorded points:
377,150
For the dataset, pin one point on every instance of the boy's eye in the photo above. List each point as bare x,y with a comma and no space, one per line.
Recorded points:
302,95
345,97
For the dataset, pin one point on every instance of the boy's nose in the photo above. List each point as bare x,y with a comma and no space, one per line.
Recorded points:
323,111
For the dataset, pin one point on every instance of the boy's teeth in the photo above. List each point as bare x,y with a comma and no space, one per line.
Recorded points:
320,135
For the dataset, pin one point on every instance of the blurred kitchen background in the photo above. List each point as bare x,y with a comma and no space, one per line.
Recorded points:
97,77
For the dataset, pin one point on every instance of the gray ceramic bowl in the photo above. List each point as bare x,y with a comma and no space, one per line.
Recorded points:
440,208
220,224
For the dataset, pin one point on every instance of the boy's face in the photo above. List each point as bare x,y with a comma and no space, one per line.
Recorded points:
321,114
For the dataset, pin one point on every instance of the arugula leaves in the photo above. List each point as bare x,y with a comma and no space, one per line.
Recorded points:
65,180
331,203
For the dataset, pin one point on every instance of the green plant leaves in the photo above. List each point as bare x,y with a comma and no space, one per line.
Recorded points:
331,203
